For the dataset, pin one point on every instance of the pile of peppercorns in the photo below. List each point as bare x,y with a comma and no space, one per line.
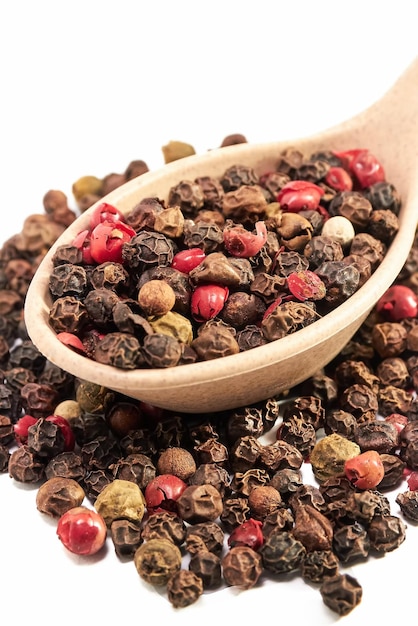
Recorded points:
201,501
226,264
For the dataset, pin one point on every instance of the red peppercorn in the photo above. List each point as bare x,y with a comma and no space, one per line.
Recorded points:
306,285
21,428
348,156
397,303
242,243
82,531
186,260
162,493
299,195
105,212
207,301
272,306
412,481
365,470
367,169
72,341
363,165
249,533
107,239
398,420
339,179
82,242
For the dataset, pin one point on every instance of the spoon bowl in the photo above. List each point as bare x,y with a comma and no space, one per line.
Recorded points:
389,129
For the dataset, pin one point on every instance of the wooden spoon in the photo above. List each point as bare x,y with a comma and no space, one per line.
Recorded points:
389,129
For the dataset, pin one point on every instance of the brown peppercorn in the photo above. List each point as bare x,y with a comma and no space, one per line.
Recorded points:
4,458
212,451
157,560
68,314
264,500
294,231
119,350
176,461
25,466
232,140
319,565
45,439
287,318
234,512
57,495
280,519
187,195
164,525
126,537
312,528
354,206
244,482
137,468
207,566
408,504
200,503
242,567
389,339
214,342
37,399
341,593
212,474
156,297
204,537
135,168
184,588
67,464
386,533
123,417
360,401
369,247
245,204
6,430
351,542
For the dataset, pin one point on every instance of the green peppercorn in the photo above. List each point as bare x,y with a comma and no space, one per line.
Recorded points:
120,499
330,454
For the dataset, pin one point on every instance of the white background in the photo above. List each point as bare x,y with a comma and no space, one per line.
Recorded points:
86,87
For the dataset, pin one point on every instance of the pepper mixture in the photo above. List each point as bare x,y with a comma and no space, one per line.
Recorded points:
161,486
226,264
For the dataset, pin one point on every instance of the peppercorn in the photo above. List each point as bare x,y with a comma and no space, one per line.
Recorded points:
329,455
58,495
184,588
241,567
156,560
120,499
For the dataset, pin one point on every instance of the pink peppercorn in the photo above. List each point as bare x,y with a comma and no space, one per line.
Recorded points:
249,533
207,301
242,243
82,531
299,195
397,303
186,260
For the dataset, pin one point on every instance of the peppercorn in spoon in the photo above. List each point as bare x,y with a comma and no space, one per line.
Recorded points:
387,130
